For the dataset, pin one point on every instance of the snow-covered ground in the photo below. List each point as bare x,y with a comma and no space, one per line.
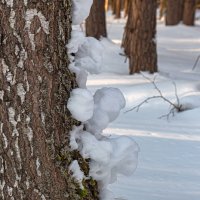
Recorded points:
169,158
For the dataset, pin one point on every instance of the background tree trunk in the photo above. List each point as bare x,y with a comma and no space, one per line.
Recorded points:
126,7
140,36
118,9
35,84
174,12
128,30
96,22
189,12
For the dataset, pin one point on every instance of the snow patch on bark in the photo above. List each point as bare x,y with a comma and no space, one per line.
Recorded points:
81,104
77,173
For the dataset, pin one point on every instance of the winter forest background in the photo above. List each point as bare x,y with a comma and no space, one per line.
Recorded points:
100,99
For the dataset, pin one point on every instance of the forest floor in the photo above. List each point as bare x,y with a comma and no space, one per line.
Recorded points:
169,157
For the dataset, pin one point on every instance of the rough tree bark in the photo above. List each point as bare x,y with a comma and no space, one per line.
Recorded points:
96,21
139,37
174,12
35,84
189,12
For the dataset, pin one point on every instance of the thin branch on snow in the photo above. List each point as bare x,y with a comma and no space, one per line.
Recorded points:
174,106
196,62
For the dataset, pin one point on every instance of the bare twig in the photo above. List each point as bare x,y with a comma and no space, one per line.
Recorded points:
174,106
196,62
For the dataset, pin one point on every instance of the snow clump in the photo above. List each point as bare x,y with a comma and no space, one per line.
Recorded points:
89,56
77,173
81,9
108,103
108,156
81,104
81,75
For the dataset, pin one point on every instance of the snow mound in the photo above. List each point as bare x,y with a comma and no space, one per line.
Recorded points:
190,102
81,104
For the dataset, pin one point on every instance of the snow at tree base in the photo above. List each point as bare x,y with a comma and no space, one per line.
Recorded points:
169,144
109,157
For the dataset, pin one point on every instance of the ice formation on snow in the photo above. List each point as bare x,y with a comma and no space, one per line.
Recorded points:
81,104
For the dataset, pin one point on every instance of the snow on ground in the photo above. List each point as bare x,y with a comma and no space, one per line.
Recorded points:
169,158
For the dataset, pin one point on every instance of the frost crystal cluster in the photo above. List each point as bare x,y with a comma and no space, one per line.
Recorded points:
108,156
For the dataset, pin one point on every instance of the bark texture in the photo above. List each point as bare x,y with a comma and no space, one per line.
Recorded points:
174,12
96,21
139,36
35,84
189,12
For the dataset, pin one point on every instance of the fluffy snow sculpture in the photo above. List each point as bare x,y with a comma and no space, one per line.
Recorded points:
81,75
108,103
81,9
89,55
81,104
77,39
109,157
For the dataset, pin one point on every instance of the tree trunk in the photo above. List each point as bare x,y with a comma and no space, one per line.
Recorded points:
174,12
35,84
96,22
162,8
140,36
118,9
126,7
106,5
189,12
